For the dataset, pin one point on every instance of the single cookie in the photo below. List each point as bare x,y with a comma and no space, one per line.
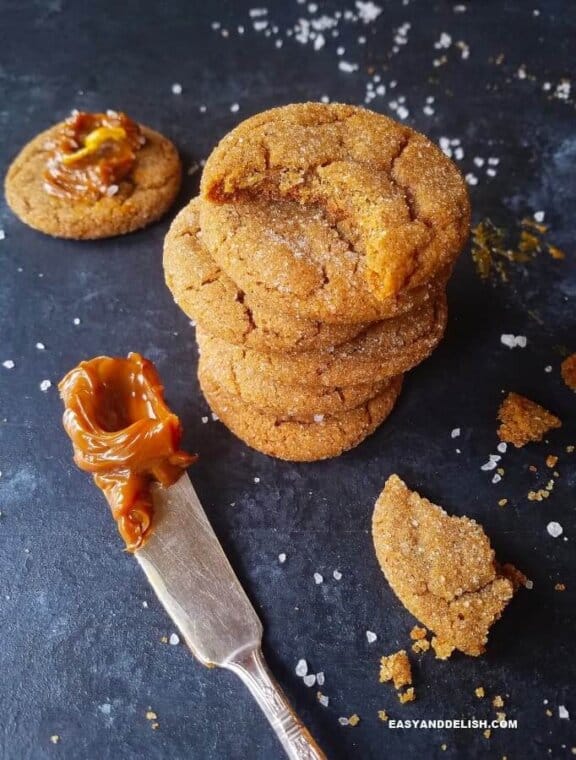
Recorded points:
291,258
304,403
441,568
140,198
299,441
393,196
383,350
207,295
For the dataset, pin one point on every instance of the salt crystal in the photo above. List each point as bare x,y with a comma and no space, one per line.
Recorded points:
318,418
529,585
497,478
318,578
40,346
44,385
478,161
256,12
368,11
174,639
204,420
403,112
8,364
554,529
471,179
282,558
337,575
76,320
455,433
2,235
256,480
234,108
491,172
323,699
176,88
513,341
539,216
563,713
301,668
320,678
371,637
343,721
309,680
428,110
319,42
502,447
347,67
548,368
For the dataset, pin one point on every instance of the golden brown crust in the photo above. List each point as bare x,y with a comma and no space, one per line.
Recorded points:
291,258
442,568
524,421
304,403
394,196
206,294
298,441
383,350
143,198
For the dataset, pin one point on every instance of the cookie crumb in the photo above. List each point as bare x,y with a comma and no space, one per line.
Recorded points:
524,420
560,587
418,632
551,461
323,699
479,691
353,720
502,502
420,646
383,715
498,701
487,733
151,715
396,668
408,696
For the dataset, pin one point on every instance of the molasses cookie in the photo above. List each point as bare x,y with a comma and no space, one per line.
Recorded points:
383,350
292,258
299,441
442,568
207,295
388,193
94,175
306,403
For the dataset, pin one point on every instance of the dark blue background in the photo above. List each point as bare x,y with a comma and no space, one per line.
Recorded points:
74,633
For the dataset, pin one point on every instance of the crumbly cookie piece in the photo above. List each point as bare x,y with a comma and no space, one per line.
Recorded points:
304,403
290,257
383,350
392,194
299,441
442,568
523,421
396,667
142,197
212,299
568,371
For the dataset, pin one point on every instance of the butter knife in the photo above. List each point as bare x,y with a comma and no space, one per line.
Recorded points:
193,579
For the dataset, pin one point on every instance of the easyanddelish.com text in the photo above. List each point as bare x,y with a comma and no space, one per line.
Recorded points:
451,723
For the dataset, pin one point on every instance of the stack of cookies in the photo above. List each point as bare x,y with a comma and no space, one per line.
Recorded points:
315,264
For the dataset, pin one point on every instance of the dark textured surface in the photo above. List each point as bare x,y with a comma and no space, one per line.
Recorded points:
81,657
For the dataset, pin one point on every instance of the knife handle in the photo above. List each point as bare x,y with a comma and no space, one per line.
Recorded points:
293,735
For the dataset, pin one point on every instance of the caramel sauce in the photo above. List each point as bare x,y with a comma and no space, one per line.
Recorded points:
125,435
90,154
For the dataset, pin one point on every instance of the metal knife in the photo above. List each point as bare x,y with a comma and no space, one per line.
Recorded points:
194,581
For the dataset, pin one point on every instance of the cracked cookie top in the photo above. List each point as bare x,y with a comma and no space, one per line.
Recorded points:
442,568
395,206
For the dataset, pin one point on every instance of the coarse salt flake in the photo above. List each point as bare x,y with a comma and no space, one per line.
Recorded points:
563,713
371,637
455,433
347,67
44,385
554,529
174,639
309,680
282,558
177,88
318,579
320,678
8,364
301,668
337,575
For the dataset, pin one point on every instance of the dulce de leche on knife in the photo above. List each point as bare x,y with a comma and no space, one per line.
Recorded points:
123,433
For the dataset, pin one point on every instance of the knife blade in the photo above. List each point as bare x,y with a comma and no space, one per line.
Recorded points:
193,579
